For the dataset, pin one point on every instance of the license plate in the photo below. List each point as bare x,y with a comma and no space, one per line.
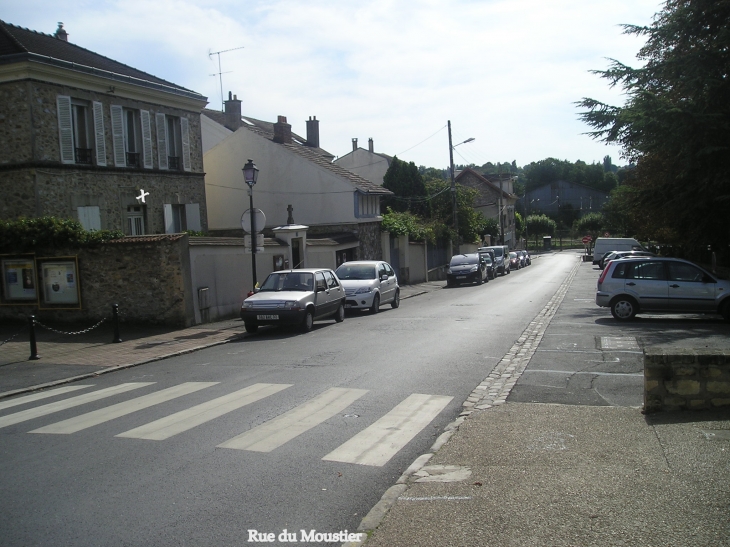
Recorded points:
460,277
267,317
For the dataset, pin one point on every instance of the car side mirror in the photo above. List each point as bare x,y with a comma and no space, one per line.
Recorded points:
384,277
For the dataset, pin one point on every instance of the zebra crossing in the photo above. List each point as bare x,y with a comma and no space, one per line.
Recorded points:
373,446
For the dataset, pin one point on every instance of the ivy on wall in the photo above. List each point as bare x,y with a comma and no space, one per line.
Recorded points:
29,234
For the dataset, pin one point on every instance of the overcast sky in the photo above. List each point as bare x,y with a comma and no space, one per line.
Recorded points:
506,72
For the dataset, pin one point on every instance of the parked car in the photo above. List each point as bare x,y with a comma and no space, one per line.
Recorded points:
488,257
526,257
466,268
605,244
613,255
295,297
514,261
369,284
521,256
660,285
501,257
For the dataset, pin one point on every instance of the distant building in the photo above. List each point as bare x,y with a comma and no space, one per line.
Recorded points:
368,164
554,197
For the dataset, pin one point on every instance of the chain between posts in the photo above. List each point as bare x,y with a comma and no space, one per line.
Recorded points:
11,338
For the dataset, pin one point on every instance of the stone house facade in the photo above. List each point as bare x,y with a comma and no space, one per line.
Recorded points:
84,137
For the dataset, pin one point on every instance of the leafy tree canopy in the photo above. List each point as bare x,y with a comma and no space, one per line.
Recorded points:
406,182
23,234
675,124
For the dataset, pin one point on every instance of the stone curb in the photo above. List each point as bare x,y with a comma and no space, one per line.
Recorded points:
502,378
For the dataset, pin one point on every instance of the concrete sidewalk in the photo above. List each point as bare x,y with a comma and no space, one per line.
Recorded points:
69,357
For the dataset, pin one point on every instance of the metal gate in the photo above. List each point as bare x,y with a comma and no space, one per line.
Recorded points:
394,254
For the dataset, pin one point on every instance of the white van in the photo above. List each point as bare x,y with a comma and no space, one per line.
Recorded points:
606,244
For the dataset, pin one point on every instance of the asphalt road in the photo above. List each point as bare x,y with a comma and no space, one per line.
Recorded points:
278,431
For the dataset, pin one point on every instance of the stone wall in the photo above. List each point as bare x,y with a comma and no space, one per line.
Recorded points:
368,234
686,379
148,276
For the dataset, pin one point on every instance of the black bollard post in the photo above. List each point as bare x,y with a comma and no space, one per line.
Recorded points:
33,347
115,320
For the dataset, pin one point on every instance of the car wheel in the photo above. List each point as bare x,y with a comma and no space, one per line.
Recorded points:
624,308
251,327
375,308
308,321
479,279
396,301
340,315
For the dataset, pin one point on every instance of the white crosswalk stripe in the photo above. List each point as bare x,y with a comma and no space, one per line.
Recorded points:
50,408
164,428
38,396
378,443
96,417
289,425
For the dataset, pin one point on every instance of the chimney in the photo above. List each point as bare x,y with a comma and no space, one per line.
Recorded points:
313,132
370,144
232,118
354,144
60,33
282,131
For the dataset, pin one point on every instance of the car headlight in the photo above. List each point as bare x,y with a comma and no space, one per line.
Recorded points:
448,270
363,290
474,269
247,304
292,305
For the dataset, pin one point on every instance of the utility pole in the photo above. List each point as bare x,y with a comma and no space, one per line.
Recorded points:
453,192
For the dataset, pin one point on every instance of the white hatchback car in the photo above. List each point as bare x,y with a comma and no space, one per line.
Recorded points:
368,284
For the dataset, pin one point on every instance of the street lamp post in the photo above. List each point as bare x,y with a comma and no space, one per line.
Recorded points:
453,187
250,175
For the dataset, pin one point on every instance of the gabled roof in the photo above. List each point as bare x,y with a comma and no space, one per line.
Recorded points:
318,156
486,182
21,44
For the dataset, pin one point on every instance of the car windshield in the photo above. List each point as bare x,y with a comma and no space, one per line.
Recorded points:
463,260
487,259
513,255
288,281
356,271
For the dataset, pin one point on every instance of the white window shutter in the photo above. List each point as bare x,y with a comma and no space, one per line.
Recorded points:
120,157
185,132
65,129
169,219
89,217
161,140
144,116
192,216
99,133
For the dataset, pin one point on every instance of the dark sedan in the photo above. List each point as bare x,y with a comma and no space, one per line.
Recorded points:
466,268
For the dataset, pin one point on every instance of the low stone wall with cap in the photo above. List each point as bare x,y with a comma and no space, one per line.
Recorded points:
686,379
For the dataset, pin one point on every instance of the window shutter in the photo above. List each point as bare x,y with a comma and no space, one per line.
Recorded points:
89,217
161,140
169,219
192,216
146,139
120,158
65,129
185,132
99,133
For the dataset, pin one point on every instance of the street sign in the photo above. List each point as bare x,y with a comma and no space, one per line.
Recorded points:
259,243
587,239
259,219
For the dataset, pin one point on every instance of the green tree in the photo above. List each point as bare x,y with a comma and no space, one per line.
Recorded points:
590,224
675,124
406,182
540,225
519,225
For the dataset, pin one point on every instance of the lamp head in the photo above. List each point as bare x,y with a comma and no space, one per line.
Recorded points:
250,173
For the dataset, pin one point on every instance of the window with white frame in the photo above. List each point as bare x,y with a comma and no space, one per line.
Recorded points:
132,137
173,142
81,131
135,220
89,217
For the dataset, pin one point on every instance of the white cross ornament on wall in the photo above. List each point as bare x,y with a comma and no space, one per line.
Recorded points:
142,195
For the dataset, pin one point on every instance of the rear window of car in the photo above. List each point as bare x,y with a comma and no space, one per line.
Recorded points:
653,270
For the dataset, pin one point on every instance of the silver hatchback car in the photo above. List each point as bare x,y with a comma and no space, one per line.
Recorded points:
660,285
369,284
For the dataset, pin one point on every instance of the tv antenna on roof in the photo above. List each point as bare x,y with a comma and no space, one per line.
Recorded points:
220,73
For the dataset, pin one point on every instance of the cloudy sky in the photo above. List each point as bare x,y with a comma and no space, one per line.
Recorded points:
505,72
